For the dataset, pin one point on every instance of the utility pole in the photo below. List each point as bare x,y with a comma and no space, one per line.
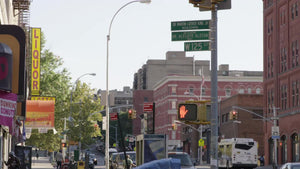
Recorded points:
214,86
275,135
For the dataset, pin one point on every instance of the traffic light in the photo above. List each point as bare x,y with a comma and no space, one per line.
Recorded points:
174,126
130,112
133,114
196,2
187,112
233,115
63,144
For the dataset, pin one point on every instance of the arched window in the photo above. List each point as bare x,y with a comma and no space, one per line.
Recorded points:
258,90
283,145
227,91
295,147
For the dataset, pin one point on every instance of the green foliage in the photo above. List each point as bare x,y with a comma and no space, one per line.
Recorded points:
56,81
126,126
84,110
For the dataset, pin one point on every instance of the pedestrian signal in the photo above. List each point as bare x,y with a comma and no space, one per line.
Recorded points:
187,112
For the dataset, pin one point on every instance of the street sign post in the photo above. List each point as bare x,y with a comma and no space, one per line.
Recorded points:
190,35
190,25
196,46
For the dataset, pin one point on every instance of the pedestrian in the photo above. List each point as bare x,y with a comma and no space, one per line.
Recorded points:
130,163
36,154
262,160
59,159
13,161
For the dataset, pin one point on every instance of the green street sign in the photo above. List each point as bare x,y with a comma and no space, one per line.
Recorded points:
196,46
191,35
190,25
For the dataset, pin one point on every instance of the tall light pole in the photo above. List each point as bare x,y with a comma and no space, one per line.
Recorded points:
72,90
107,89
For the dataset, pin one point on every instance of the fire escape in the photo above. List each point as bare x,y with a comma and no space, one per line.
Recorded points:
21,8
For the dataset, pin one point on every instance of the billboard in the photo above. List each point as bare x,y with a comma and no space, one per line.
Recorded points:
36,56
39,114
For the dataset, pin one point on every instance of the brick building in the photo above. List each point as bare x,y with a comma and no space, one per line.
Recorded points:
247,125
172,90
282,77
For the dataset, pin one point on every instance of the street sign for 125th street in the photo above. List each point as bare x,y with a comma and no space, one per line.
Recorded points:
196,46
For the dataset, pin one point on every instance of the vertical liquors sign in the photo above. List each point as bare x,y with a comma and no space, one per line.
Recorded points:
36,55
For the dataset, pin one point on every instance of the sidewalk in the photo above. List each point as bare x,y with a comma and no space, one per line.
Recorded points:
42,162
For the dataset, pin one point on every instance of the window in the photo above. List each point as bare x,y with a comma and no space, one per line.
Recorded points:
283,92
295,147
258,90
249,90
283,60
295,93
173,90
203,92
283,149
228,92
173,104
242,90
295,56
191,90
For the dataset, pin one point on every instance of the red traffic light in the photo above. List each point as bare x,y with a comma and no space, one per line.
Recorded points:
64,144
130,111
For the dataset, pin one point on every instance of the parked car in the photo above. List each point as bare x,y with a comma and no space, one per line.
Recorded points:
116,160
185,159
290,166
112,150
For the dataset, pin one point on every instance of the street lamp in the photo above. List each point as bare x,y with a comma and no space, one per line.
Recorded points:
107,89
72,90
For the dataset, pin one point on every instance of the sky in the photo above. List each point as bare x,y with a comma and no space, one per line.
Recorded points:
77,30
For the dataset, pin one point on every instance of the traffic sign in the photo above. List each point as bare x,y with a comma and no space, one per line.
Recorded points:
201,143
113,116
148,107
190,25
190,35
196,46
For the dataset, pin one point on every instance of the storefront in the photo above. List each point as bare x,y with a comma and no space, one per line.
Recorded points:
8,106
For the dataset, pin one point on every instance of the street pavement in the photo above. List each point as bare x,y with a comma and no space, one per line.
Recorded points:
44,163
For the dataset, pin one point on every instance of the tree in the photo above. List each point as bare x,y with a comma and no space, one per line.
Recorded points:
56,81
84,105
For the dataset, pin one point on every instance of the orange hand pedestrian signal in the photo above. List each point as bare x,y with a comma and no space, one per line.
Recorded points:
187,112
182,111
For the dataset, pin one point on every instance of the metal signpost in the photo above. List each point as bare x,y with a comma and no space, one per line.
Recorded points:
213,6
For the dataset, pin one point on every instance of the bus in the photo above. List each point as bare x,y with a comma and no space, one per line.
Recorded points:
237,153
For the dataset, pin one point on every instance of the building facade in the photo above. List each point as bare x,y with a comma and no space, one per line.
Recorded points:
12,113
282,78
249,122
121,100
172,90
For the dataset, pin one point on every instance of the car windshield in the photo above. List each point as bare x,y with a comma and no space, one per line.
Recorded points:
184,159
